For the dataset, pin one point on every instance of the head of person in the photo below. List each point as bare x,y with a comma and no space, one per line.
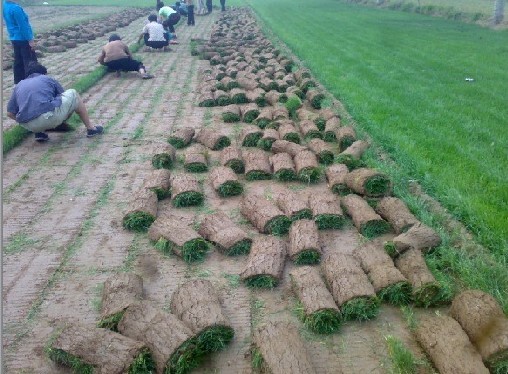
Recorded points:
35,68
114,37
152,18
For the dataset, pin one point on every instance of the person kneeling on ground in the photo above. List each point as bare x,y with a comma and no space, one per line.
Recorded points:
170,18
154,34
117,57
39,103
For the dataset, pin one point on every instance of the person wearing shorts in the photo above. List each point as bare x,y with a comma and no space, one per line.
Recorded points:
39,103
117,57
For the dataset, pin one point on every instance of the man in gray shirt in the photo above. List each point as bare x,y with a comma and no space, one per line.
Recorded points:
40,103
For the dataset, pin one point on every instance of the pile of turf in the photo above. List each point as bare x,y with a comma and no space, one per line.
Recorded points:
250,136
181,137
163,156
257,96
257,165
266,141
159,182
283,167
231,113
249,112
322,150
212,139
195,160
304,244
368,182
225,182
336,177
142,212
307,167
331,129
326,210
315,98
186,191
287,131
366,220
310,130
264,215
346,136
232,158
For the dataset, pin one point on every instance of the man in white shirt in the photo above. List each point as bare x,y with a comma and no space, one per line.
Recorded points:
154,34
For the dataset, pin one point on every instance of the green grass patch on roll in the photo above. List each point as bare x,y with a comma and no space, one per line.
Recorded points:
285,175
329,221
188,198
251,140
161,193
111,322
196,167
138,221
349,161
223,101
223,142
207,103
143,364
309,175
320,123
215,338
257,360
324,321
302,214
236,165
396,294
341,189
360,308
262,281
261,101
232,84
278,225
313,134
378,185
162,161
240,248
192,250
292,137
239,98
307,257
251,115
390,248
185,358
257,175
263,123
429,294
325,157
229,117
346,142
178,143
230,188
499,367
265,144
374,228
75,363
329,136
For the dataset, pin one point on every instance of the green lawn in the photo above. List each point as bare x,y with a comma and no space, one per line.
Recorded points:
122,3
402,78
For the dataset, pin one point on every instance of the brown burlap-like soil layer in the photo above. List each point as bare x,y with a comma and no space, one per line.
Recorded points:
266,258
220,177
120,291
385,275
336,177
362,214
322,150
281,348
371,255
221,230
303,236
163,150
284,146
282,164
106,351
287,131
181,137
419,237
264,118
195,159
272,97
181,183
257,164
212,138
159,181
270,134
326,210
162,332
332,126
396,213
309,129
292,204
482,318
448,346
232,157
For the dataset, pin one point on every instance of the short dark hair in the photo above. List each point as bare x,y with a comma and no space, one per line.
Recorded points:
152,17
114,37
34,67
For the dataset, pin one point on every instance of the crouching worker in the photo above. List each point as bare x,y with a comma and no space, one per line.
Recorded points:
117,57
39,103
154,34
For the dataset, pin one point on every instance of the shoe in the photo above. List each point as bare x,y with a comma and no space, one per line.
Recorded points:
97,131
41,137
147,76
173,42
63,127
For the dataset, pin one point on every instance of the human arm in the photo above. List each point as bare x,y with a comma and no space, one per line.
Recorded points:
25,29
12,106
100,60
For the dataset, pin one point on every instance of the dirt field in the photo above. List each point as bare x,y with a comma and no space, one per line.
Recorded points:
62,222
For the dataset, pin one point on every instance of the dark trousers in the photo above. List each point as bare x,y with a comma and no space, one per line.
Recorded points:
156,44
223,5
190,15
125,64
171,22
23,54
209,5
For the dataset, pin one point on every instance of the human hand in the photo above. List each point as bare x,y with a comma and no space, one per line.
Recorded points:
32,44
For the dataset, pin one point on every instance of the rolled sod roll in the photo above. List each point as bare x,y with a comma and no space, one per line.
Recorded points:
326,210
264,118
222,98
181,137
327,113
170,235
351,155
264,215
306,84
120,291
304,244
396,213
250,136
232,158
278,349
163,156
301,74
231,113
228,83
238,96
390,285
195,159
305,114
249,112
309,130
280,112
197,305
142,212
322,150
273,97
292,205
371,255
426,289
281,84
336,177
448,346
266,141
88,349
225,182
318,310
186,191
268,84
283,167
222,231
212,139
332,126
284,146
350,287
159,182
290,80
346,136
366,220
247,84
368,182
257,96
419,236
171,342
206,99
315,98
287,131
265,263
257,165
483,320
307,168
294,90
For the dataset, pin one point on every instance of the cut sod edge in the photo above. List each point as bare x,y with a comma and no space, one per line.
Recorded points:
188,198
239,248
162,161
178,143
278,225
252,140
138,221
254,175
302,214
161,192
215,338
399,293
285,175
192,250
307,257
374,228
221,143
111,322
261,281
360,308
378,185
324,321
309,175
236,165
186,357
196,167
329,221
230,188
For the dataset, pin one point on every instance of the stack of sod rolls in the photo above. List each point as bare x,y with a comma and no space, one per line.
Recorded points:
278,349
336,177
266,262
232,158
212,139
181,137
304,244
264,215
326,210
170,235
352,155
317,310
223,232
366,220
307,168
283,167
197,305
195,160
225,182
257,165
159,182
350,287
163,156
119,292
142,212
88,349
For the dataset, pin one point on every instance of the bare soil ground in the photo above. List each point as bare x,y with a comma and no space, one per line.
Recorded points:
63,204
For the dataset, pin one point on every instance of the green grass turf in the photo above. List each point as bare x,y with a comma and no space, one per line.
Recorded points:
329,136
230,188
349,161
188,198
307,257
256,175
325,157
360,308
185,358
229,117
320,123
223,101
239,248
196,167
178,143
252,140
111,322
251,115
278,226
143,364
346,142
77,365
397,294
324,321
285,175
207,103
374,228
402,359
412,97
329,221
223,142
138,221
162,161
215,338
309,175
261,281
263,122
292,137
192,250
236,165
341,189
302,214
266,144
378,185
161,193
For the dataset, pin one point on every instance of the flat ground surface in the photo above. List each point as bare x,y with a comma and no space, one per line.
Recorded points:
63,204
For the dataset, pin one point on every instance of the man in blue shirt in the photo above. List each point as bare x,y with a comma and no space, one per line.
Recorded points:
39,103
21,36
